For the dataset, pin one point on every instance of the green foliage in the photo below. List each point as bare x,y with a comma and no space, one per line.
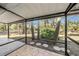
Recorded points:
47,33
73,25
13,27
2,27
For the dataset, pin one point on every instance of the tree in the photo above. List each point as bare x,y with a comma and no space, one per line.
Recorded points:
2,27
38,30
13,26
46,22
32,30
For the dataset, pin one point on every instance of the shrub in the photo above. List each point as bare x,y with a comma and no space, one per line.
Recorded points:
47,33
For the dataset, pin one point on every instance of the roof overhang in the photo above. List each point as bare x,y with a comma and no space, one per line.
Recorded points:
10,12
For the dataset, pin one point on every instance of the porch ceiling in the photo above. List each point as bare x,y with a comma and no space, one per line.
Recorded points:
29,10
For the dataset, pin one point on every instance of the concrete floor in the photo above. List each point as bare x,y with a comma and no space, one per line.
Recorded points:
74,48
28,50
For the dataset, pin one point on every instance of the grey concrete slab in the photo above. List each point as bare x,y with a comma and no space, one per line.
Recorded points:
5,40
74,48
28,50
5,49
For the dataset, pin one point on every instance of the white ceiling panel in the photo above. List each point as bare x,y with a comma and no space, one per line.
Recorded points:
75,7
1,11
29,10
34,10
9,17
9,5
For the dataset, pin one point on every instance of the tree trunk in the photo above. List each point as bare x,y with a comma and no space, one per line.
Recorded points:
38,31
32,30
45,23
18,29
23,28
52,24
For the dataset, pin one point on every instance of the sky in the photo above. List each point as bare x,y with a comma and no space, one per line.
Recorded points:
71,18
